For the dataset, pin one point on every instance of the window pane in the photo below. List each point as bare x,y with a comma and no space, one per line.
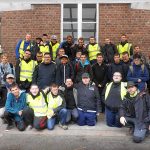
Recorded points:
88,29
70,13
89,12
70,29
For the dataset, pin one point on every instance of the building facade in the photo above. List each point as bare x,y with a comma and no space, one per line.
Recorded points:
101,18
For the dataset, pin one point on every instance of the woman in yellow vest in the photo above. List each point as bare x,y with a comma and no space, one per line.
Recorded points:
112,97
56,108
36,101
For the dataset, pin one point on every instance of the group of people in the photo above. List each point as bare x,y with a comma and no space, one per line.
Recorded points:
67,82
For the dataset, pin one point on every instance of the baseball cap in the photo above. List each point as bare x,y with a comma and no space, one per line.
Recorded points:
10,76
53,37
85,75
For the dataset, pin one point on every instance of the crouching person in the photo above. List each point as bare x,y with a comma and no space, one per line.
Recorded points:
14,108
88,101
135,112
36,114
56,108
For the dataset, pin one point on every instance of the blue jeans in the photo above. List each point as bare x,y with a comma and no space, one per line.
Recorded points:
62,115
112,118
86,118
72,114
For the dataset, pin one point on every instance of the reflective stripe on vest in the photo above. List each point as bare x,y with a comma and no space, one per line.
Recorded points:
123,90
44,49
21,48
38,105
54,49
26,70
53,103
125,48
93,50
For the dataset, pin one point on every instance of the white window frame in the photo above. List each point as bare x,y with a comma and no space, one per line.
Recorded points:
79,20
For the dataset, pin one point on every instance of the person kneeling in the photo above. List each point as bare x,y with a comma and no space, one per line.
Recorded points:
135,112
56,108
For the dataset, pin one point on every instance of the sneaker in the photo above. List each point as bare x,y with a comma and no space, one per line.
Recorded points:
65,127
29,127
9,127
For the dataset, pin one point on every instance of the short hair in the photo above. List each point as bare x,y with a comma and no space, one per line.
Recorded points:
4,55
45,34
69,36
39,53
136,46
99,54
83,54
116,54
123,34
80,39
136,56
13,86
27,50
47,54
92,37
68,79
33,85
54,85
124,53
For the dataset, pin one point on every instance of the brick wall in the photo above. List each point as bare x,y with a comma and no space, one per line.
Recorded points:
41,19
116,19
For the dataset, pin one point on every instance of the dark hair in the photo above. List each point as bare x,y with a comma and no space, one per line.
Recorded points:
99,54
136,56
53,85
47,54
33,85
69,36
80,39
27,50
13,86
45,35
124,53
136,46
92,37
116,54
123,34
39,53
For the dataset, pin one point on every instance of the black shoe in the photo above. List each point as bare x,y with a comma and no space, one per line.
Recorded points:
9,127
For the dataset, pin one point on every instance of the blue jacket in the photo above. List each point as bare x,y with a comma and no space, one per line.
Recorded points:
138,73
26,44
14,105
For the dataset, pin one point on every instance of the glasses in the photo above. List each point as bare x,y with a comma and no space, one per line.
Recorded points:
117,75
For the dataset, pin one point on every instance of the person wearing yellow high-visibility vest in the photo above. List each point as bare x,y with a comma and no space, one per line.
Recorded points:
113,96
56,108
54,45
24,71
124,46
22,45
44,45
93,49
37,111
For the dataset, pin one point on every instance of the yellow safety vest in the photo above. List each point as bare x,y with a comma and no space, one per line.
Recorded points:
44,49
123,90
93,50
26,70
53,103
38,105
21,48
125,48
54,49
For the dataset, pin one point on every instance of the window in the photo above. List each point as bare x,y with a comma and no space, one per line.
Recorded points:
80,20
0,31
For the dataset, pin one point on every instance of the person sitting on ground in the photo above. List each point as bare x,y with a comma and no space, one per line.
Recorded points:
36,101
56,108
135,112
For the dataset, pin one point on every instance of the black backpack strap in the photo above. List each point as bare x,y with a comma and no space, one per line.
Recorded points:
45,96
12,69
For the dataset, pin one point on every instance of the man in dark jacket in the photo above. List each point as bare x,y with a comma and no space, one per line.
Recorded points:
109,50
64,70
100,75
45,73
81,67
115,67
88,101
135,112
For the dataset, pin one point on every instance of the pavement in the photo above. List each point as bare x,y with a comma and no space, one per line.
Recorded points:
75,138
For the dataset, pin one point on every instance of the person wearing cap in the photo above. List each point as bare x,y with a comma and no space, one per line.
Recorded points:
24,71
54,45
10,79
64,70
135,112
44,45
45,73
113,96
138,72
88,101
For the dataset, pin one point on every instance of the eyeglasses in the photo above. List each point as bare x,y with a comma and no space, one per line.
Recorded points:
117,75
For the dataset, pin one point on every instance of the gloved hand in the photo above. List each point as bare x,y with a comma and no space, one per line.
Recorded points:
123,121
